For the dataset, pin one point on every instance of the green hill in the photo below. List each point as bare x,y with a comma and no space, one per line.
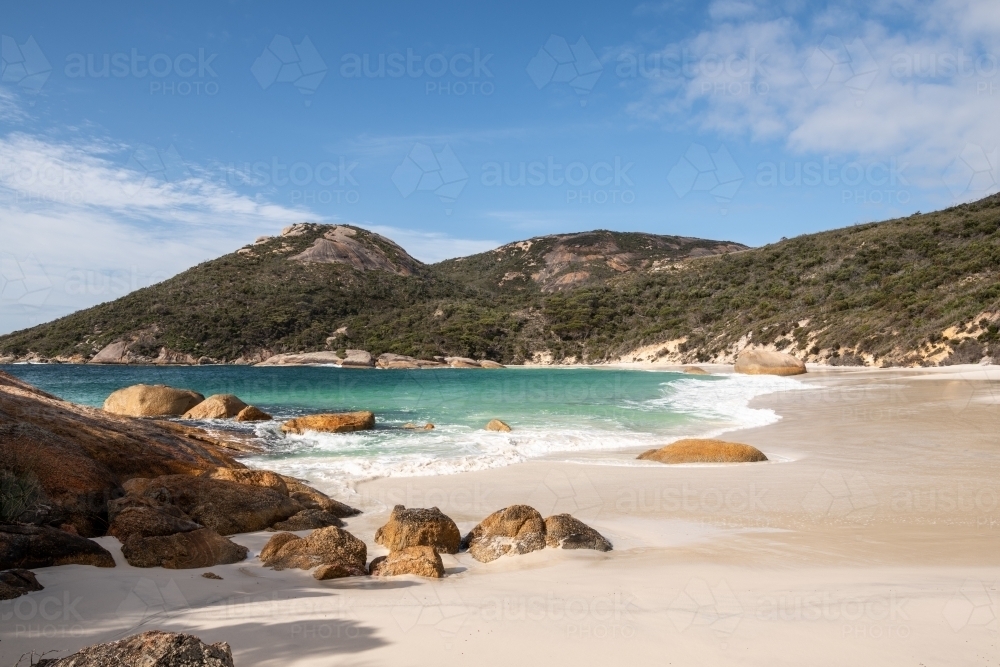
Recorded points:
917,290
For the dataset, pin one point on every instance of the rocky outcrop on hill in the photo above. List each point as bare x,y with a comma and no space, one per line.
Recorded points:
360,249
153,648
143,400
753,361
41,546
342,422
419,527
697,450
518,529
79,457
419,560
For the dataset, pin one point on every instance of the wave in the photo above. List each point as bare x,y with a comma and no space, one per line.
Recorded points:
702,407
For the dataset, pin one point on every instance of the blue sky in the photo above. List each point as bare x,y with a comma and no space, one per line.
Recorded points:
136,142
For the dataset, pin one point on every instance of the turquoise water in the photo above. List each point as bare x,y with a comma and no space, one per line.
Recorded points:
554,412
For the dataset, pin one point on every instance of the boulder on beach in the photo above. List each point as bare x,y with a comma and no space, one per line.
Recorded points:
419,527
339,422
767,362
497,425
153,648
389,360
73,458
265,478
17,582
486,363
143,400
325,546
23,547
357,359
218,406
694,370
308,520
310,498
562,531
420,560
113,353
462,362
224,506
146,518
697,450
183,551
302,359
252,414
518,529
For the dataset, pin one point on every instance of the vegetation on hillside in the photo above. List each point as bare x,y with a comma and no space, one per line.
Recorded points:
916,290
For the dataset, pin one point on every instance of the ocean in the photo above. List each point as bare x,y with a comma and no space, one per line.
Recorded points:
587,415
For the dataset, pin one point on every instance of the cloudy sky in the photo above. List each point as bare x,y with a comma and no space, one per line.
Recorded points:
137,142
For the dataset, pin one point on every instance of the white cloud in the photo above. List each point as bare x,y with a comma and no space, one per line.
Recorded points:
93,223
840,85
10,107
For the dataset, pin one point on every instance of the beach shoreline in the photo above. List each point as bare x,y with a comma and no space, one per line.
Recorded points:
871,537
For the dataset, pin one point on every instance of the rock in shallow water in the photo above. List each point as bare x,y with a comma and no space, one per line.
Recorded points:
143,400
219,406
497,425
342,422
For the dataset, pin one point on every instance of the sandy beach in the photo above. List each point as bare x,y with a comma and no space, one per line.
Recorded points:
872,536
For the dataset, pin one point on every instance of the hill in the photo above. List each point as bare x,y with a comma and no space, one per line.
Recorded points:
916,290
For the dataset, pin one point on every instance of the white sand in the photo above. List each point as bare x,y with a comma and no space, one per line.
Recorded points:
871,538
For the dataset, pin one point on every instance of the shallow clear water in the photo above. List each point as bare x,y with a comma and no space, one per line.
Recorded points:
553,411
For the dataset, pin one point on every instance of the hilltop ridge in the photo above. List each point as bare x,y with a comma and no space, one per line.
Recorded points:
917,290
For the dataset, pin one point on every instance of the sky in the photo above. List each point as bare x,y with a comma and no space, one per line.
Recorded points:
138,141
